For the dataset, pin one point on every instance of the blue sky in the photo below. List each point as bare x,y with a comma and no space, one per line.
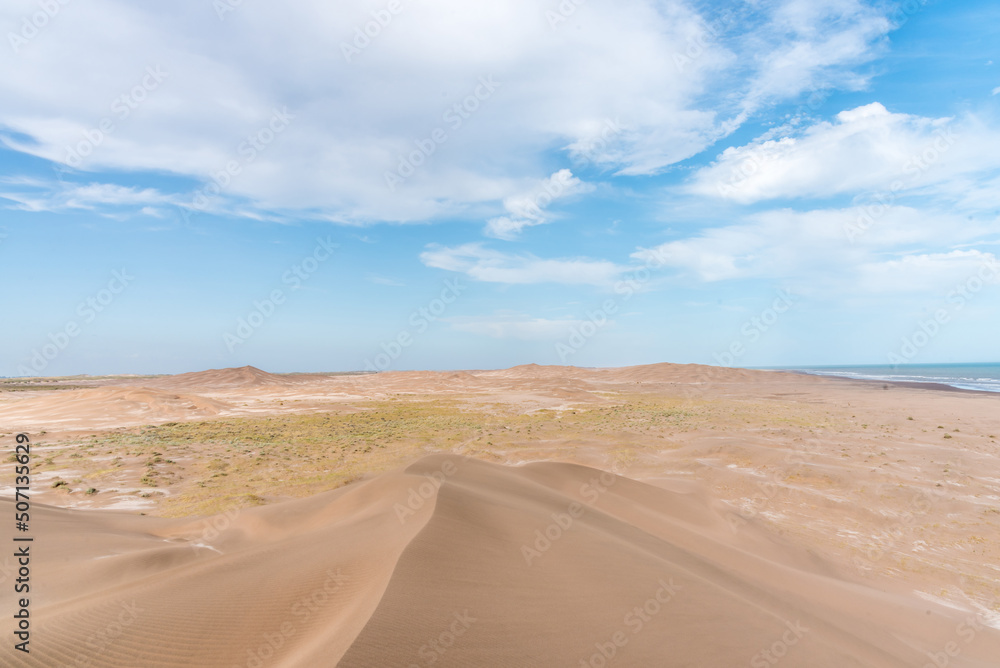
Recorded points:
605,183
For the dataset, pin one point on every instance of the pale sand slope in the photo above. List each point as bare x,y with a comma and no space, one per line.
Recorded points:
115,402
348,578
108,407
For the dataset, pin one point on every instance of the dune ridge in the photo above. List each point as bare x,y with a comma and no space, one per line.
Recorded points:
460,562
219,379
759,518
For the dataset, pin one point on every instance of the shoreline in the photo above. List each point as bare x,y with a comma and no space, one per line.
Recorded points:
910,384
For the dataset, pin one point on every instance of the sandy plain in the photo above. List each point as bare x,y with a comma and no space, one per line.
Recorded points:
662,515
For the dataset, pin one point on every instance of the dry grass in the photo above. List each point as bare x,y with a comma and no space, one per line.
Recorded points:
210,466
215,465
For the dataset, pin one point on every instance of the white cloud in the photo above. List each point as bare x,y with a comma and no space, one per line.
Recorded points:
836,249
509,325
36,195
491,266
864,150
996,91
152,211
354,121
805,46
976,194
94,194
930,273
529,209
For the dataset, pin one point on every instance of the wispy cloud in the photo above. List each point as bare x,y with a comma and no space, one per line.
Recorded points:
809,45
512,325
816,248
39,195
355,120
530,208
490,266
866,149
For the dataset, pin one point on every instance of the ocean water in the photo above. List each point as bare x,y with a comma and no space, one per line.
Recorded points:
983,377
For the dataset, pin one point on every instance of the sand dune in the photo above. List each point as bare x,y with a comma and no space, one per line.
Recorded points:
761,519
458,562
103,407
220,379
687,373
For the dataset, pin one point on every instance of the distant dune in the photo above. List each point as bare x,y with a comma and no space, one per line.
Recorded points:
754,519
224,392
457,562
220,379
103,407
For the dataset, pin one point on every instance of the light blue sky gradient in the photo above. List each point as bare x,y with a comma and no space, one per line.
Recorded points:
703,159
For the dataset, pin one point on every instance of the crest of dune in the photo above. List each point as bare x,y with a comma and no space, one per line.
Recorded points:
467,563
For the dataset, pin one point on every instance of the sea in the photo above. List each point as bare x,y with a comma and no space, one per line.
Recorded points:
982,377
